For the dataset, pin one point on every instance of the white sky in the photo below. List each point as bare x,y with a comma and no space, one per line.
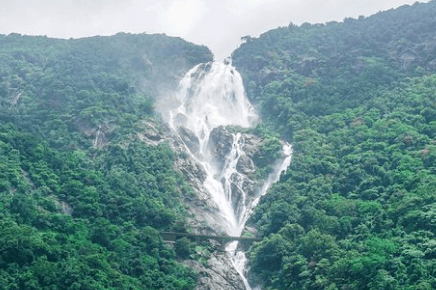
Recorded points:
219,24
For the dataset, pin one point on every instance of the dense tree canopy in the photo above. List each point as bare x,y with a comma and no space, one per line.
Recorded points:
356,209
82,198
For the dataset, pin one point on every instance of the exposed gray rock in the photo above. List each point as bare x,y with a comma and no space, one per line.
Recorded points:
245,165
241,184
150,131
193,170
203,212
219,145
219,273
249,187
252,144
100,139
150,134
237,199
98,133
180,119
189,139
202,209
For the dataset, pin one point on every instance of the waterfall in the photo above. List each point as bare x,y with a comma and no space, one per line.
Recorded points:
240,260
212,96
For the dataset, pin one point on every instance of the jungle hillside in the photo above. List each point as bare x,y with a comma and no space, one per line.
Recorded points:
357,99
82,197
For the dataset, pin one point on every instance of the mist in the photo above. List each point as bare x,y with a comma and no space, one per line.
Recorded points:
216,24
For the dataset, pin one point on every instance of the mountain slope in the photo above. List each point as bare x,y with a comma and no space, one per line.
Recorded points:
339,62
82,195
357,99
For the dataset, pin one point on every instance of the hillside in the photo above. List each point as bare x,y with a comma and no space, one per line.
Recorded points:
89,175
82,196
357,207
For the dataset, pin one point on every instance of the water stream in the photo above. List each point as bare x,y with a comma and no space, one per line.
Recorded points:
212,95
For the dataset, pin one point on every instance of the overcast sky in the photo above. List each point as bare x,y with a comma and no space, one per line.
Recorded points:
219,24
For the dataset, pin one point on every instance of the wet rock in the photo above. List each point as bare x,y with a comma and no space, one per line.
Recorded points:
251,145
243,192
191,169
219,146
204,216
249,187
237,199
180,120
245,165
202,209
189,139
218,274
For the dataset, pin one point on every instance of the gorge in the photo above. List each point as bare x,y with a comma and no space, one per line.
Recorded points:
210,115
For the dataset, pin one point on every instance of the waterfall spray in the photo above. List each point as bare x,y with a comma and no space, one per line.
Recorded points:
210,96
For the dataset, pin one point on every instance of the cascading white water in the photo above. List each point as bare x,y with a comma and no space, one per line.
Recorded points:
212,95
240,260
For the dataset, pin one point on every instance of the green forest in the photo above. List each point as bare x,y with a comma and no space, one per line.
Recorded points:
83,198
357,99
76,213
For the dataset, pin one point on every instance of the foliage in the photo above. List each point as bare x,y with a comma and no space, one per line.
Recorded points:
184,247
325,68
355,210
82,198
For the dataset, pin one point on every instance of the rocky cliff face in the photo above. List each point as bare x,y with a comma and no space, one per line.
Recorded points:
203,209
218,273
242,183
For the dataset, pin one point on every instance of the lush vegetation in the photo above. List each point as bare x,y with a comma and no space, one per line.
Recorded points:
82,198
357,208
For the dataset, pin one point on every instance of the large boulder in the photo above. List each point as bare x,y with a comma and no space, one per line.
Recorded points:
245,165
219,146
189,139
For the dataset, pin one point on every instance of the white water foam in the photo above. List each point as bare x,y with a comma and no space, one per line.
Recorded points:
213,95
239,258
